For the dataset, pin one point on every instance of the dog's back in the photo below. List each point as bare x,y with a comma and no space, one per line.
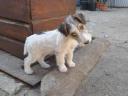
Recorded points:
41,42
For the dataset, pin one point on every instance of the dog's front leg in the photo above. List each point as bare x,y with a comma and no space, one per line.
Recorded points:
69,59
60,58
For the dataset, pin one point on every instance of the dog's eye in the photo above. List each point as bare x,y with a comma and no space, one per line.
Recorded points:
74,34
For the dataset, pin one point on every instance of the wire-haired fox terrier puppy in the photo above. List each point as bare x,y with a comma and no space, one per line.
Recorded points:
80,22
61,42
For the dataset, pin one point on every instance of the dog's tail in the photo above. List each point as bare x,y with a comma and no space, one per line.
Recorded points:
25,48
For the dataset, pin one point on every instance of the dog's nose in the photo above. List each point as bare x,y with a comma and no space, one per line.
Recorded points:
86,42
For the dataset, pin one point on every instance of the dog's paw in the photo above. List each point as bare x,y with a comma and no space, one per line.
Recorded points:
72,64
45,65
63,69
28,71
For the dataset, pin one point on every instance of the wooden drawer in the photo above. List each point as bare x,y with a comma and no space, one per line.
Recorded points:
48,24
14,30
12,46
19,31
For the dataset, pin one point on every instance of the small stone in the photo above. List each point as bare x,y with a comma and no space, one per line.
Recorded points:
105,35
125,41
93,85
107,74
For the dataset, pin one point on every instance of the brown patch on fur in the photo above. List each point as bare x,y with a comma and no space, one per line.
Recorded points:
79,18
81,27
64,28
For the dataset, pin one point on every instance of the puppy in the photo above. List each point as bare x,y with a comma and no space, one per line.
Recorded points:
80,22
61,42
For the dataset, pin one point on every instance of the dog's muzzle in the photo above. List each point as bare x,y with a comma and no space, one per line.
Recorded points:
78,39
86,38
87,42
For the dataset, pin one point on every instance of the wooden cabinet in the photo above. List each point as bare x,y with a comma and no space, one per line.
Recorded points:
21,18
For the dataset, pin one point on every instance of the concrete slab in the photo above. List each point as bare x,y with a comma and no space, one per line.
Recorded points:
65,84
13,66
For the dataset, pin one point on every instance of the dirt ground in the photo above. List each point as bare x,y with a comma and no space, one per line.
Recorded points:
110,76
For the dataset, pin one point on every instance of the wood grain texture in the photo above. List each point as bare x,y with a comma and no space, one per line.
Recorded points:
13,47
15,9
44,9
71,6
44,25
14,30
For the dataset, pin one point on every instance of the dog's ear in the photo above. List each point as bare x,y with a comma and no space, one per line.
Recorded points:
80,18
65,28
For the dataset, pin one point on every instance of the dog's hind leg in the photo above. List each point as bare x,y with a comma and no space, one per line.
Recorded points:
27,64
43,63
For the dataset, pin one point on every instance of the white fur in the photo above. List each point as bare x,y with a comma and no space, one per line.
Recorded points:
51,42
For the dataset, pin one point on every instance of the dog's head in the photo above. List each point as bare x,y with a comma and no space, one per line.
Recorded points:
70,31
80,22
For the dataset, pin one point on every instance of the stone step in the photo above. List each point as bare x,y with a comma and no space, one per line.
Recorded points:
65,84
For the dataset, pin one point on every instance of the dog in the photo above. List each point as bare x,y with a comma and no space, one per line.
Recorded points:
61,42
79,20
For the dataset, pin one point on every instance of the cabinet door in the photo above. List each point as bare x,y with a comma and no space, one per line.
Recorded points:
14,30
